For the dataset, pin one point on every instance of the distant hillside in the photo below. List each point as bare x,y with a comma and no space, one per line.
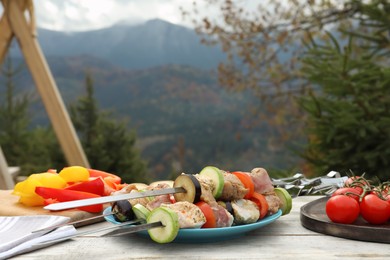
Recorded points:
153,43
160,79
172,108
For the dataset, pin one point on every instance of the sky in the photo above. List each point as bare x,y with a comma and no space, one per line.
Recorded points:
82,15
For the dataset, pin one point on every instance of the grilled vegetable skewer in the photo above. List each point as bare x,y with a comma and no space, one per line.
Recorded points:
236,188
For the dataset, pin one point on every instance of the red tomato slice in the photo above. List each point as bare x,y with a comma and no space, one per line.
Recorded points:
208,212
261,202
247,182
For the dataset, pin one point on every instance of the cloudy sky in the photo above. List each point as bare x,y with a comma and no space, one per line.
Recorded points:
80,15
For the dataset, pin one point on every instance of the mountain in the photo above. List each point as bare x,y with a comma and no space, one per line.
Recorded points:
160,79
172,108
153,43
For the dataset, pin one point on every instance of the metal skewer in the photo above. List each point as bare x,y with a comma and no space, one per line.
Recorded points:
116,227
108,199
128,230
121,210
50,228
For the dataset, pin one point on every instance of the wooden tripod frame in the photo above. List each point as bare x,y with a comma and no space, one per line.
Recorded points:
14,22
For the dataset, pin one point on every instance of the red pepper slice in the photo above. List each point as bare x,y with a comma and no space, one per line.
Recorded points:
63,195
95,186
97,173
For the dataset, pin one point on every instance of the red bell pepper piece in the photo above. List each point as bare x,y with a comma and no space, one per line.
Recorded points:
63,195
112,181
105,175
49,201
95,186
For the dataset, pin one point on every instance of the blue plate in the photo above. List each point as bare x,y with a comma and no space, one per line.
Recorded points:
207,235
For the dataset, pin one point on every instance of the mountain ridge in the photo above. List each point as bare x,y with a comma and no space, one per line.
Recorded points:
169,94
153,43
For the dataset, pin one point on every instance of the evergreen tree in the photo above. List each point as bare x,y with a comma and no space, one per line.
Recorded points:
108,144
349,107
14,118
33,150
263,50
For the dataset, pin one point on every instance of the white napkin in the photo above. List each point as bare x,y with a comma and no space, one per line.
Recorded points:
16,237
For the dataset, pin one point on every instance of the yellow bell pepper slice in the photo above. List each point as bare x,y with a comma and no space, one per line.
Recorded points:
74,174
26,189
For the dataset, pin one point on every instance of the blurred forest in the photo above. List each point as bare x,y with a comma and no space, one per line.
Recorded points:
331,90
304,88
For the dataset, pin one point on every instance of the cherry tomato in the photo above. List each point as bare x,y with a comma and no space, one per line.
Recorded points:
374,210
356,182
349,191
342,209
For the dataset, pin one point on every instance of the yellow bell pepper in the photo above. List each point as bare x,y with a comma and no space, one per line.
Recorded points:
74,174
26,189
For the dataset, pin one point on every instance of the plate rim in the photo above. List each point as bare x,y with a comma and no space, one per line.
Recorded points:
316,223
239,229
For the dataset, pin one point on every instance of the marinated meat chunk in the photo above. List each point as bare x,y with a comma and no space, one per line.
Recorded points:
207,187
190,216
149,202
245,212
157,201
222,216
261,180
126,189
273,202
143,201
233,188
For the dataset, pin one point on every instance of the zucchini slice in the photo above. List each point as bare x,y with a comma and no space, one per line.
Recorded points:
141,211
285,199
170,225
192,187
216,177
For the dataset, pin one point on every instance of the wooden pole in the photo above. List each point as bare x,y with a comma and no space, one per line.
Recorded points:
44,81
5,35
6,181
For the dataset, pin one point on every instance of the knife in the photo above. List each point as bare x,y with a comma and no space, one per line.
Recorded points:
113,198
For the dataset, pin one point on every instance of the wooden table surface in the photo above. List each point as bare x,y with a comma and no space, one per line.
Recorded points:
285,239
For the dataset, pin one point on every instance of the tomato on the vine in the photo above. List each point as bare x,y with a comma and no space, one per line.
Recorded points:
374,209
342,209
349,191
357,182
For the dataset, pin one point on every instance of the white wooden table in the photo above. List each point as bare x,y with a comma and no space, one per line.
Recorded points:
283,239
